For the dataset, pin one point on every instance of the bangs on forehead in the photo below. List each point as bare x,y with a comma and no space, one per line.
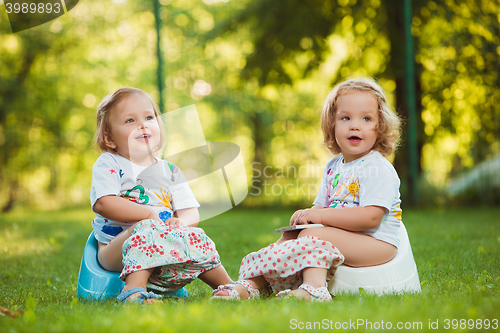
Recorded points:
143,96
389,123
353,90
108,106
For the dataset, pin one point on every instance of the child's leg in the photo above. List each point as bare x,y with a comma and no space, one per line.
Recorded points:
215,277
139,279
314,277
358,249
110,258
275,267
288,235
110,255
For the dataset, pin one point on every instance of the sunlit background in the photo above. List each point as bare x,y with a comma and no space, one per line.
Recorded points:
258,72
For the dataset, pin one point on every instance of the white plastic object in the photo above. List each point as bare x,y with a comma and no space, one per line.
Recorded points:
398,276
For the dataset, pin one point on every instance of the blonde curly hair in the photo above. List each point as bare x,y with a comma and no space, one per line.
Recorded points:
389,123
107,106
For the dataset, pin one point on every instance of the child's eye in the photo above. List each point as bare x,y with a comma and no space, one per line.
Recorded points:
149,118
130,120
345,118
367,118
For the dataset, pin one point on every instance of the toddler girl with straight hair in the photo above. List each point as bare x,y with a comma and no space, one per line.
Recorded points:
146,213
358,204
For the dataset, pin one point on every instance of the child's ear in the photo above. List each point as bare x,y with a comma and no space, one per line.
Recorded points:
108,140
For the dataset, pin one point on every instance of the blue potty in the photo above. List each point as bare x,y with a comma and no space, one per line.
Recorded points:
96,283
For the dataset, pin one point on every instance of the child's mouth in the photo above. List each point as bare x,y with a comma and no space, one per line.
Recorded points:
354,139
144,136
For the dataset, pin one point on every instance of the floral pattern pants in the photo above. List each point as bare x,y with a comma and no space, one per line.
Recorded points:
178,253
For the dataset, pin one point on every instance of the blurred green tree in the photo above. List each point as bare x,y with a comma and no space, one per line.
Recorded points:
460,84
281,30
51,79
457,48
21,121
257,70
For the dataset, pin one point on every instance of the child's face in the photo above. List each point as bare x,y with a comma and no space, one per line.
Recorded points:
135,131
356,124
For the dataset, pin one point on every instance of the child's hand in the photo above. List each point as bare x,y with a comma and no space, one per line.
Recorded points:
303,216
299,217
153,216
174,221
294,220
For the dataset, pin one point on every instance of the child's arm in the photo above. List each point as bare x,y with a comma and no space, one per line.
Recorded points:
120,209
189,217
353,219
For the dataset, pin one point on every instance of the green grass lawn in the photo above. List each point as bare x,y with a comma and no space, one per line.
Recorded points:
456,251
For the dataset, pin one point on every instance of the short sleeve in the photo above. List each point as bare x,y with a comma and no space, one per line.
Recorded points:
379,186
105,178
182,195
322,197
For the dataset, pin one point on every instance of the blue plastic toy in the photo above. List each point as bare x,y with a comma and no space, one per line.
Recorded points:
96,283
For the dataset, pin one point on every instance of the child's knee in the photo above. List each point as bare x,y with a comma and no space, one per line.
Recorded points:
288,235
311,232
322,233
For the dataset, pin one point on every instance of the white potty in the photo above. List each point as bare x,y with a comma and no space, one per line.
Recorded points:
397,276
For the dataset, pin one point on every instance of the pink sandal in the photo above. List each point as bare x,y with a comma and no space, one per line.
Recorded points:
317,294
233,293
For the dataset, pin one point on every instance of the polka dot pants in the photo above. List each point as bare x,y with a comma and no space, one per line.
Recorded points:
282,264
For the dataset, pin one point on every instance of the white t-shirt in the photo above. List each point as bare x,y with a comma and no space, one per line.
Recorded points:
161,186
367,181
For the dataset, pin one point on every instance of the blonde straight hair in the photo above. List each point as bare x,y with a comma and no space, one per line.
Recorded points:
107,106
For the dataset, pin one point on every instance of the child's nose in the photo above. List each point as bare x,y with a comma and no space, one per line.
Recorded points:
354,125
